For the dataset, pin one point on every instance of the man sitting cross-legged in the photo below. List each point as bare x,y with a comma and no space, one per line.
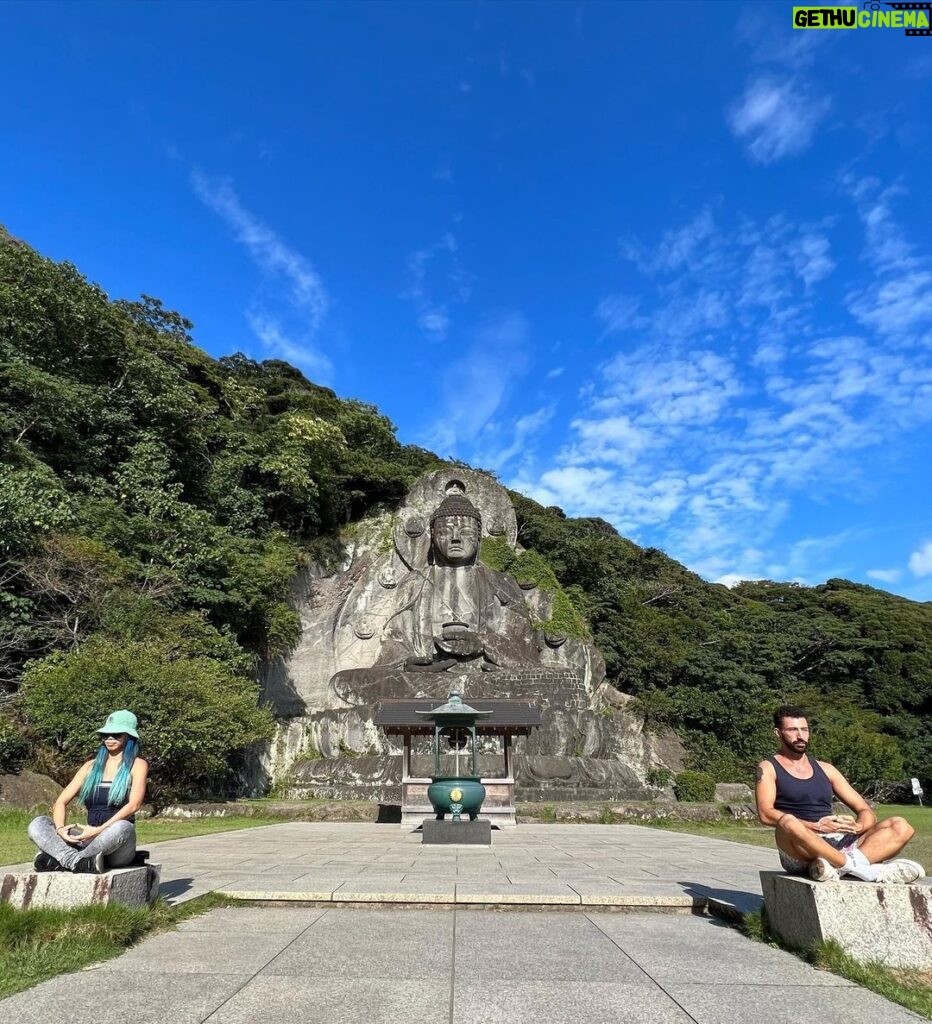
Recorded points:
794,794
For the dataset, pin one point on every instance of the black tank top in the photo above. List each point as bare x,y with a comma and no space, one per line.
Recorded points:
99,811
808,799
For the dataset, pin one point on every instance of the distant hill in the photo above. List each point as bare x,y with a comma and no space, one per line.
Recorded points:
158,501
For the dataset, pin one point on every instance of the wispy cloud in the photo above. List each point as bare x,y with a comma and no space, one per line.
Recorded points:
898,301
436,269
776,118
500,443
885,575
920,561
729,402
473,387
292,289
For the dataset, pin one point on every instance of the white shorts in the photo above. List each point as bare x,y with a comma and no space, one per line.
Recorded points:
840,840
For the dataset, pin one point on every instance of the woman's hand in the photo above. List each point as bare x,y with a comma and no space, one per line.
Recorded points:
88,834
64,832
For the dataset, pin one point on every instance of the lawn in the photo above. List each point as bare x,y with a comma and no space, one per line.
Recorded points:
920,846
15,846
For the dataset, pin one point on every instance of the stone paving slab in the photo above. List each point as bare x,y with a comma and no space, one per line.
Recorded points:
141,999
526,949
414,945
716,954
400,892
297,1000
556,1002
780,1004
308,861
298,965
193,952
538,893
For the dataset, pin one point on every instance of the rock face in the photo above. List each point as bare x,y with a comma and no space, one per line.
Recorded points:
733,793
414,605
28,790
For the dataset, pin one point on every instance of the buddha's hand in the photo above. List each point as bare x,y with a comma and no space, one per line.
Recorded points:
428,665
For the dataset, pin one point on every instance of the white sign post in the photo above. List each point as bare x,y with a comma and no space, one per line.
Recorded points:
917,790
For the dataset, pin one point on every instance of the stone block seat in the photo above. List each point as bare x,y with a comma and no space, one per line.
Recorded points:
890,924
134,886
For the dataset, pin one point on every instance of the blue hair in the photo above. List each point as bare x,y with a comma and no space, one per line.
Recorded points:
119,788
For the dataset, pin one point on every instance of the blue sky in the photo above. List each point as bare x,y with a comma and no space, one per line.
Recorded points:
667,263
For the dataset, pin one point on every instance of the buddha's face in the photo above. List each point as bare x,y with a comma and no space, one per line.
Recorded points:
455,540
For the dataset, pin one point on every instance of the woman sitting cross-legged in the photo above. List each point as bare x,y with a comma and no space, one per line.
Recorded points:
112,788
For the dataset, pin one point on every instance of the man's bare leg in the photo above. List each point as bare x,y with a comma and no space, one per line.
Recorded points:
803,844
885,839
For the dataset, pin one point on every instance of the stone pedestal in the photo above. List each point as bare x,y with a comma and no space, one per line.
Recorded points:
457,833
133,886
891,924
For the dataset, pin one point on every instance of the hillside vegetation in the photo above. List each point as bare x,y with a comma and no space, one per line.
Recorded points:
155,503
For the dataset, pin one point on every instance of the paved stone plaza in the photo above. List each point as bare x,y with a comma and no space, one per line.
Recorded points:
538,864
558,957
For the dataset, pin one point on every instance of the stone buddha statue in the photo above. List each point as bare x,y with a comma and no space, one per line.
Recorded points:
457,614
412,604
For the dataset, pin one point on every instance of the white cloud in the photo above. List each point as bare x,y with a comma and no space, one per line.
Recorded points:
557,371
731,579
474,387
898,300
293,289
265,247
491,450
885,245
434,322
920,561
681,248
617,312
727,405
885,575
436,268
776,118
272,335
897,305
811,258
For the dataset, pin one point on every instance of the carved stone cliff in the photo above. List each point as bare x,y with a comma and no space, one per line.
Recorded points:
412,604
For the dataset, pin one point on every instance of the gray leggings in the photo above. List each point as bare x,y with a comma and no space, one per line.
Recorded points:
117,842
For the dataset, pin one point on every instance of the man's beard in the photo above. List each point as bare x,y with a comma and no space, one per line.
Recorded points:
800,746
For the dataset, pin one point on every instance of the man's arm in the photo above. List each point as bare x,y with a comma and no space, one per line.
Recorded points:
765,792
851,798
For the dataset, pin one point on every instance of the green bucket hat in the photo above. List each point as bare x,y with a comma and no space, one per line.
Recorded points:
121,721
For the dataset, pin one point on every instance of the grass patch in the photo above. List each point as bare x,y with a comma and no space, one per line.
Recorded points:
919,848
912,989
157,830
16,847
39,944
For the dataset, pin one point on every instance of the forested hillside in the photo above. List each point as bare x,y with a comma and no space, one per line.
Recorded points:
155,503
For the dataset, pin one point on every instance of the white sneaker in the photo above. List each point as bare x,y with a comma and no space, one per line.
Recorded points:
821,871
900,871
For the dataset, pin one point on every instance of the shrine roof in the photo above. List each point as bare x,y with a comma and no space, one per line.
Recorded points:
512,715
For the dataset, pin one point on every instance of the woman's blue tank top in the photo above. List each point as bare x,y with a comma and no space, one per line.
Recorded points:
808,799
98,810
